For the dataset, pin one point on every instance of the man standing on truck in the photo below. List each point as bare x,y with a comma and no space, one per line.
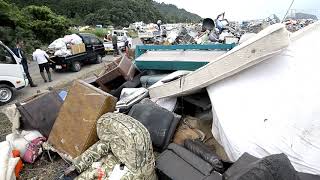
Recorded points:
24,62
115,44
42,59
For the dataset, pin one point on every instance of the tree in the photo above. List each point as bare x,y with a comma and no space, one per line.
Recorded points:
46,25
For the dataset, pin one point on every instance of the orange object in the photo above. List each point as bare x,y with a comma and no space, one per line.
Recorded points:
19,166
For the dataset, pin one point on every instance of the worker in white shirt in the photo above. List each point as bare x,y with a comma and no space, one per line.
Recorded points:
42,59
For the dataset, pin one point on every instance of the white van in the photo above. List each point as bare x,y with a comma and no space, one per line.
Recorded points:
12,76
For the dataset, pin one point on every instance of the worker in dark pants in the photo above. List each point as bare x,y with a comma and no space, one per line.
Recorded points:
42,59
115,44
24,62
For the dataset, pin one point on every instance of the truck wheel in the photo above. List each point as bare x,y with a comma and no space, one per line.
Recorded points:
6,94
99,59
76,66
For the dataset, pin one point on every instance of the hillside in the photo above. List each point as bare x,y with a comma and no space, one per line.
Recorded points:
111,12
173,14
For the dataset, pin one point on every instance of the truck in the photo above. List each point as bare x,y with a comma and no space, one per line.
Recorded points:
94,52
151,35
121,40
12,75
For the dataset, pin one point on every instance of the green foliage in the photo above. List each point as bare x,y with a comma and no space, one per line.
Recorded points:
118,13
46,25
173,14
33,24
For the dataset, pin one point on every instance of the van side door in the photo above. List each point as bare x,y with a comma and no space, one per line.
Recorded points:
9,67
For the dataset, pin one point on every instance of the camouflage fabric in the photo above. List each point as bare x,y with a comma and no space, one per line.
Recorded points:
129,143
93,154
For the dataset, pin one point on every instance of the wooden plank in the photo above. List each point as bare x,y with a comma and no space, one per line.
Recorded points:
265,44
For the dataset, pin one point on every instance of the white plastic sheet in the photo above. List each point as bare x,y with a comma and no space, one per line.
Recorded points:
7,162
58,44
273,107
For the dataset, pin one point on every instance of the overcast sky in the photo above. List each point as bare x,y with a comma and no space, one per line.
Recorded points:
244,9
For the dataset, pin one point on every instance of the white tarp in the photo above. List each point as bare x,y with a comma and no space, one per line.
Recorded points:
273,107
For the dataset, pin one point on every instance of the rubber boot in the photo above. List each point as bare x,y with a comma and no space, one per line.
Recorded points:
32,84
30,81
49,76
43,77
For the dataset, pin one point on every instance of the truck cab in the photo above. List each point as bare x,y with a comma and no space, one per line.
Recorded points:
12,76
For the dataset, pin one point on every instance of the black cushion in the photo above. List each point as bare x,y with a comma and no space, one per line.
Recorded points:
160,122
274,167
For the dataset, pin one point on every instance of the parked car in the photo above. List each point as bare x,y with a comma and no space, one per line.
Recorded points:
12,76
93,54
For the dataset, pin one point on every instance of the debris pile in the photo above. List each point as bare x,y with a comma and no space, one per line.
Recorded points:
180,119
295,25
66,46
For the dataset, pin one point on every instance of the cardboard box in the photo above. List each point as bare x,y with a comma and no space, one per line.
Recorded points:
78,48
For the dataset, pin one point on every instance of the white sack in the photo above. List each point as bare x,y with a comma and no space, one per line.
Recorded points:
63,53
5,155
58,44
273,107
20,141
76,39
73,39
11,168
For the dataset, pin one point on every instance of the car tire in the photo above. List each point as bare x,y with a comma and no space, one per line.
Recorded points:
6,94
98,59
76,66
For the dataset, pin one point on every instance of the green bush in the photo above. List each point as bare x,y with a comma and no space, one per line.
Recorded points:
33,24
100,32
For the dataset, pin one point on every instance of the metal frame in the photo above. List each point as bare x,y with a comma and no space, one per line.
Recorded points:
141,49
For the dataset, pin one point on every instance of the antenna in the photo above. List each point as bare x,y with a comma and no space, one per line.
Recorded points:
285,16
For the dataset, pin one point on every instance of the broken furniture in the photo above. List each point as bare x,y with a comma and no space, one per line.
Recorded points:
118,71
179,163
123,140
75,128
129,97
135,82
267,43
160,122
178,57
40,112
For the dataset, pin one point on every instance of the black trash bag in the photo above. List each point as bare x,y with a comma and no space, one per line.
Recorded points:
207,24
274,167
201,150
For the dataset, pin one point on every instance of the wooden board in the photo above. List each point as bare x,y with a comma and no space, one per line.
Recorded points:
265,44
